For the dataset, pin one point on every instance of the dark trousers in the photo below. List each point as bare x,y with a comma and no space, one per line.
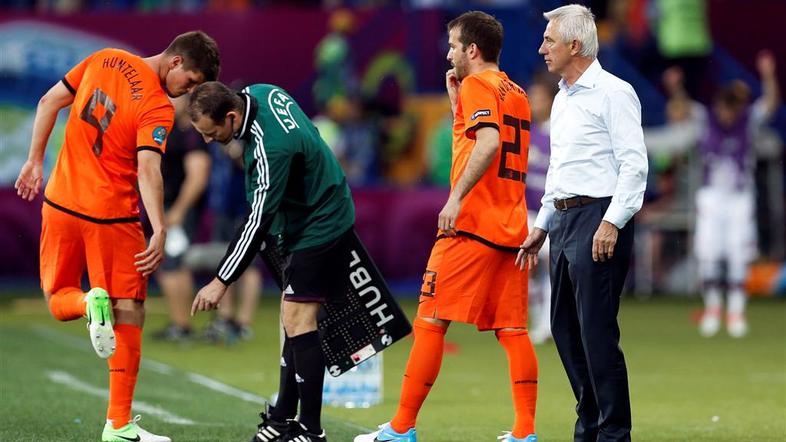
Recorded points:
584,305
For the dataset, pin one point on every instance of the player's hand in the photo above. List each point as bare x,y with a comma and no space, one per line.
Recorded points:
149,260
528,253
452,85
603,241
28,184
209,296
448,214
765,63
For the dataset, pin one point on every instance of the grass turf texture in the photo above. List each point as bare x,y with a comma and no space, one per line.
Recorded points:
683,387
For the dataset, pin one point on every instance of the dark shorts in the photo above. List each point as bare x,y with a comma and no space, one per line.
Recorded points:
319,273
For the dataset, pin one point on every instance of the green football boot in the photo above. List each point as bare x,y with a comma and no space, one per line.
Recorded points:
131,432
99,322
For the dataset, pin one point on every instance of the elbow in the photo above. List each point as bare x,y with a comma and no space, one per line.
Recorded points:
46,104
51,103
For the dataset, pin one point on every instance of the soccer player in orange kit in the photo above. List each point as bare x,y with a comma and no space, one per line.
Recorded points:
115,135
471,275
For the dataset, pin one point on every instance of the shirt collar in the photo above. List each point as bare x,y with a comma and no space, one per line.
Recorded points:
250,113
588,79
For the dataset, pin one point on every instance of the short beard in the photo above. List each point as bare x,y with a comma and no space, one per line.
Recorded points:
461,73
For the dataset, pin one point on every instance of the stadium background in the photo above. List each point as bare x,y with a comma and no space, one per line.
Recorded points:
392,69
378,67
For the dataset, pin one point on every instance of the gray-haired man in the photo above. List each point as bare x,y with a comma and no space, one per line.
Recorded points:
594,185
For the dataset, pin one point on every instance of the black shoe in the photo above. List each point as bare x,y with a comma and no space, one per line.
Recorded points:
270,430
173,333
299,433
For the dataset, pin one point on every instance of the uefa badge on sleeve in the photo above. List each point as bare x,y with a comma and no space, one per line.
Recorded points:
159,135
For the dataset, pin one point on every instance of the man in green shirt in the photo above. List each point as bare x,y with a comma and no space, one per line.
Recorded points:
297,190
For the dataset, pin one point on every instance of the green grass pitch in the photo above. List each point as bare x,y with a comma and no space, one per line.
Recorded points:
683,387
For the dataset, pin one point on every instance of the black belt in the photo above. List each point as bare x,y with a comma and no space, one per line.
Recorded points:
576,201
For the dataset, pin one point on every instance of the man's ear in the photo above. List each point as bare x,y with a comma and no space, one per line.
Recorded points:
175,61
473,50
575,47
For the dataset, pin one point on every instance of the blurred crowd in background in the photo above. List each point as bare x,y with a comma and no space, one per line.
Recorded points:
383,110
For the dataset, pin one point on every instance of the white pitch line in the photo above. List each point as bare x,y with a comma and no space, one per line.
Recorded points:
51,334
162,368
229,390
70,381
84,345
221,387
158,367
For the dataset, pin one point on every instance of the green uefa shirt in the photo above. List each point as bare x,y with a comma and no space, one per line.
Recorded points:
294,183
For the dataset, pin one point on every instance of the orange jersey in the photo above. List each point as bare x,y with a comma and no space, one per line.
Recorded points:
119,108
494,209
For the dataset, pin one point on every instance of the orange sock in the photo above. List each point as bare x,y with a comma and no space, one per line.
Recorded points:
423,365
67,304
123,369
523,367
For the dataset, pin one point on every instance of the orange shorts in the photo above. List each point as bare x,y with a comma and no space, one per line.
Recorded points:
69,245
470,282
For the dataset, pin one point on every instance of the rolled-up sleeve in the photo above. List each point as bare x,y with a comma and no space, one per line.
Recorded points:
623,119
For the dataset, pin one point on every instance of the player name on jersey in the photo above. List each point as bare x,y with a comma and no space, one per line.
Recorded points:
128,71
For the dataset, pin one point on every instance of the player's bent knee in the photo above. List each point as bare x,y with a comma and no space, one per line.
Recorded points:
128,311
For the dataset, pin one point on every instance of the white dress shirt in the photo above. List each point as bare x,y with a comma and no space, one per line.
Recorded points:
597,146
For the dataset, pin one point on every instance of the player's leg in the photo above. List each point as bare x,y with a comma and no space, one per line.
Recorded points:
113,267
523,371
507,315
249,291
311,277
177,288
420,374
124,364
276,419
422,369
425,356
428,329
62,263
709,243
300,325
742,250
